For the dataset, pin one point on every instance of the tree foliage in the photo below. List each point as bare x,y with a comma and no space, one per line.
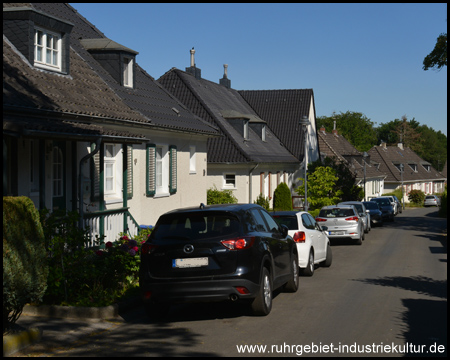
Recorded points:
322,189
353,126
437,59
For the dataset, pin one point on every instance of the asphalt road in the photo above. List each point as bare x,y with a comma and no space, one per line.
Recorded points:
387,297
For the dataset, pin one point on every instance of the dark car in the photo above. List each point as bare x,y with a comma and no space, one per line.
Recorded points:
386,208
376,216
216,253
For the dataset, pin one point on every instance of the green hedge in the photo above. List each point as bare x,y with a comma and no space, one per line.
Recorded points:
25,268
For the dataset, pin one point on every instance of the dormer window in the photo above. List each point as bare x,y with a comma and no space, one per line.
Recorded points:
245,121
127,72
413,167
427,167
47,49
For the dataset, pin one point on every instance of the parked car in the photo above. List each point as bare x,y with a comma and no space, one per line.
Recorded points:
313,245
362,211
342,221
399,204
432,200
386,208
376,216
215,253
393,203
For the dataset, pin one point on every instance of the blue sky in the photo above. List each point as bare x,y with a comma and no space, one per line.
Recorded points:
356,57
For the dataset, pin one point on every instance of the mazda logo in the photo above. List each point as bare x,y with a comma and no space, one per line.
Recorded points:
188,249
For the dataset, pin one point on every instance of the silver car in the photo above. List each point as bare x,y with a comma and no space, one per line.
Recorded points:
343,221
363,213
432,200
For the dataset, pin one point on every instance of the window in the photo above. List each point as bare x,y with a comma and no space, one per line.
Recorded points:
246,129
127,72
427,167
161,172
47,49
192,160
413,167
229,181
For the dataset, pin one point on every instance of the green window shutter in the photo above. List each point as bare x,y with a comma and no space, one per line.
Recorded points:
150,178
173,169
130,172
95,175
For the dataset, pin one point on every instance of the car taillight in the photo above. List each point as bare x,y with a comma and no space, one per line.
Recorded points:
299,237
147,249
238,244
355,218
320,219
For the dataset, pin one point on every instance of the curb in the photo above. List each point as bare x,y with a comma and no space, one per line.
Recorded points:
15,342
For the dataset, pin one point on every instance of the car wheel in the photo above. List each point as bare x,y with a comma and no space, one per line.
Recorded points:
262,305
309,269
292,284
360,239
329,257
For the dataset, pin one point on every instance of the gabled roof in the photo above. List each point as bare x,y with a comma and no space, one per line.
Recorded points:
89,92
217,104
415,168
282,110
336,146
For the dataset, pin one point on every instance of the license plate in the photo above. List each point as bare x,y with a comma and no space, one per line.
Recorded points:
190,263
336,233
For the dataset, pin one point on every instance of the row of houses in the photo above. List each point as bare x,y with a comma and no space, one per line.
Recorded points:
86,128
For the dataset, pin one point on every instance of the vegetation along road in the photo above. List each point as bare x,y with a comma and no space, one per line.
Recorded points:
387,297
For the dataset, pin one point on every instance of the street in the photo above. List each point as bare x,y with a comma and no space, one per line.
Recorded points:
387,297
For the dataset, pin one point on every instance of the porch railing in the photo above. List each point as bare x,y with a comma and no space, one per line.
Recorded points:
106,225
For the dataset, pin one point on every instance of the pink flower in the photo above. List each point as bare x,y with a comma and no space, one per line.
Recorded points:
109,244
135,248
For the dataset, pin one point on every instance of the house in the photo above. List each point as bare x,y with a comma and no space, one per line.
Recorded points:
249,158
283,111
401,165
368,176
86,128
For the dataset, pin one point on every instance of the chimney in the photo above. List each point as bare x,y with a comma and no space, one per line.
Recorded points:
400,145
225,81
383,144
322,128
334,131
193,70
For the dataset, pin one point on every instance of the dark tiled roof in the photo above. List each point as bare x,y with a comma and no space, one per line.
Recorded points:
89,89
283,109
212,101
389,156
336,146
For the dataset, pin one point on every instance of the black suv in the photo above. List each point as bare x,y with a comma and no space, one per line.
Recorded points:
216,253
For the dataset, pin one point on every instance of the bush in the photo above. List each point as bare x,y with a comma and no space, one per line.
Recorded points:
81,276
282,200
215,196
417,197
263,201
24,266
443,208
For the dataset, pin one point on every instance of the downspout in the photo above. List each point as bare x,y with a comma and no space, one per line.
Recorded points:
250,184
98,142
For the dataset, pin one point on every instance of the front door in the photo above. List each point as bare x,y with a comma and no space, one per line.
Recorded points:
59,175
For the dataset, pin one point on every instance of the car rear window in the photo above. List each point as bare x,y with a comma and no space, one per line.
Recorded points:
371,205
198,225
430,197
289,221
337,212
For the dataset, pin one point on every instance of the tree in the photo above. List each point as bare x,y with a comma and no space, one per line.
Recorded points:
437,59
407,134
353,126
321,188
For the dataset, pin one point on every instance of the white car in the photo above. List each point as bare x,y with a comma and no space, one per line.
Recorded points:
313,245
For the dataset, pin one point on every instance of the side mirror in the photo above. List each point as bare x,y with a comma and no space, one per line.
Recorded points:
284,230
324,228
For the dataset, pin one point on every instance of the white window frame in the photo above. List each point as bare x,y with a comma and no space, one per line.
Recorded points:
113,179
127,71
54,51
162,176
229,181
192,160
